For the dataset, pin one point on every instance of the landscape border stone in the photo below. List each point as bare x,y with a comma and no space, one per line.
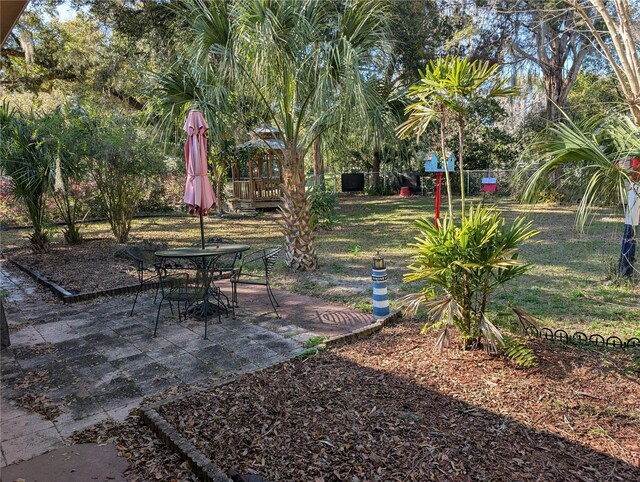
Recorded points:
68,297
204,469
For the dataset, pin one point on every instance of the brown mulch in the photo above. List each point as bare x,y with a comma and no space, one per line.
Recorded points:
91,266
390,408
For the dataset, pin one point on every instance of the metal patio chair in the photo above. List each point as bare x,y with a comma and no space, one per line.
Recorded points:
146,262
191,292
255,269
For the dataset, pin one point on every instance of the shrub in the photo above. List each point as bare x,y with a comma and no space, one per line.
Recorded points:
323,206
466,264
125,162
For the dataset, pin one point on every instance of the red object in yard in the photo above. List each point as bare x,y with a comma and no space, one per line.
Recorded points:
405,192
489,184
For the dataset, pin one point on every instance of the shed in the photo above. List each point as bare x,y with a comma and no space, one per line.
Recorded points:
257,182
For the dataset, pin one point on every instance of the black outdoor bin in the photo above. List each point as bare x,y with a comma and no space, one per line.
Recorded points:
353,182
410,180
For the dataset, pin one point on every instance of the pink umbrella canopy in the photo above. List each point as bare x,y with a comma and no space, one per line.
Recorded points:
198,192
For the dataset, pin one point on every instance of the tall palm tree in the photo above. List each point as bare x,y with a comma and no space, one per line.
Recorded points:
292,56
446,90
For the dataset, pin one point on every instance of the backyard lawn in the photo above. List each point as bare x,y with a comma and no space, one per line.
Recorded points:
567,288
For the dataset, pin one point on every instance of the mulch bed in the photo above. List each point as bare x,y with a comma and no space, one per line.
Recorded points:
91,266
390,408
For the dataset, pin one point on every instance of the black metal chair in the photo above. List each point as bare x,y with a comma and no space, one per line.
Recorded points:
255,269
146,262
225,263
188,291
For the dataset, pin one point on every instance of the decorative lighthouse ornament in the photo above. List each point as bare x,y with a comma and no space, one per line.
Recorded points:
631,165
380,293
434,164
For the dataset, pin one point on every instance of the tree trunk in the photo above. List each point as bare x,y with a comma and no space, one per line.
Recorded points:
318,162
556,98
375,174
461,162
300,253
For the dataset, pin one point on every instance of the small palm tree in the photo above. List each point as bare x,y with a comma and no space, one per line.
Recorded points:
27,156
446,90
462,266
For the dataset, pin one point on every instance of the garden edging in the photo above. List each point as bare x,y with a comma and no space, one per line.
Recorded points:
68,297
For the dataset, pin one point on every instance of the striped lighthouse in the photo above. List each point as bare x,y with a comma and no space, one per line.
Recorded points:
380,293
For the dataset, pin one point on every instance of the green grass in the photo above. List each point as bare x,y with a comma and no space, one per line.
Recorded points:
567,288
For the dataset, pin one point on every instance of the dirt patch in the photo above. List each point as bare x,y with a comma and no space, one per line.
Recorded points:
390,408
92,266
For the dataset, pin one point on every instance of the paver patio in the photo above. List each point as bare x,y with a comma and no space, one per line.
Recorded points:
88,361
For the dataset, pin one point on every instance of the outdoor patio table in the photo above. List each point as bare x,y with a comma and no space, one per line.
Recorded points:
202,259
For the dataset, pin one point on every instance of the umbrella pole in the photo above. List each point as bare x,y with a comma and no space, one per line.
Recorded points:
202,230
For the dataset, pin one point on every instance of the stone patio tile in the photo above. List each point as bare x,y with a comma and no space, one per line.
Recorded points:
28,446
177,334
151,344
144,373
258,355
82,321
122,412
132,330
284,346
10,369
26,336
73,348
37,362
9,409
118,392
95,372
197,344
78,408
166,352
56,332
123,351
132,362
87,361
23,425
67,426
3,461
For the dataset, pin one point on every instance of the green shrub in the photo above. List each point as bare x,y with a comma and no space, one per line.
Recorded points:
465,265
323,207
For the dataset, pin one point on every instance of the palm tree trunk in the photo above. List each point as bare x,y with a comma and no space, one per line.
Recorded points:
444,161
300,253
318,162
460,160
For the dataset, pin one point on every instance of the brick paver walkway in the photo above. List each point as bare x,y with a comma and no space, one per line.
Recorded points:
88,361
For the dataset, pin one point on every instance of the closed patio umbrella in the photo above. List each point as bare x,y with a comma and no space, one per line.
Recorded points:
198,192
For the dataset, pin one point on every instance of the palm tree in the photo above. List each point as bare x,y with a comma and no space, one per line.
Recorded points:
293,57
27,156
446,90
596,150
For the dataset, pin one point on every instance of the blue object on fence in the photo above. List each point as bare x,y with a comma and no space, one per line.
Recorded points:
380,293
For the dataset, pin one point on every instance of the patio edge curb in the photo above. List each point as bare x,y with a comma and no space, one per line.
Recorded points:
364,331
201,466
67,297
